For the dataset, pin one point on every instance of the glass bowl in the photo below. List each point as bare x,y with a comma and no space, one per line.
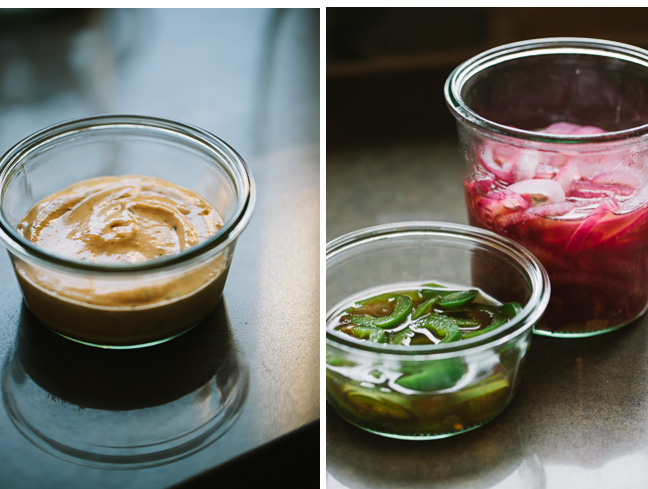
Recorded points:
474,379
123,305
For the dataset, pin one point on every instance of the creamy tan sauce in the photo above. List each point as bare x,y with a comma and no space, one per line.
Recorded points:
120,219
125,219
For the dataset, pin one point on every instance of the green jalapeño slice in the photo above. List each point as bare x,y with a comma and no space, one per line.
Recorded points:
427,314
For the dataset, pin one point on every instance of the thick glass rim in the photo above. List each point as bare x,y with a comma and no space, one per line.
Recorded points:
539,47
235,166
530,314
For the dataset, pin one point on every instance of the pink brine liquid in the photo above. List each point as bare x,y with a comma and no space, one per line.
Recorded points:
584,216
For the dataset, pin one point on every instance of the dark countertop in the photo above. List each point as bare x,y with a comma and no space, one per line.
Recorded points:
250,76
579,417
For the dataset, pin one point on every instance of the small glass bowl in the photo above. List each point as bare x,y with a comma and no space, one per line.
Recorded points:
477,377
78,299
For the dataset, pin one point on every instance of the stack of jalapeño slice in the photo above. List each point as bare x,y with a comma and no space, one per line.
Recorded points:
429,314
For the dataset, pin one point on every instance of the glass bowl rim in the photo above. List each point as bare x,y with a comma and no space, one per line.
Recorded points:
537,47
530,314
235,165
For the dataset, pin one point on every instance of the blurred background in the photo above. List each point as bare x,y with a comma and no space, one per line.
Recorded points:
385,109
227,71
251,77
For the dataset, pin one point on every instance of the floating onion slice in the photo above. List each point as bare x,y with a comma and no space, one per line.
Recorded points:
499,160
620,229
483,182
585,189
488,209
585,228
401,311
508,163
539,191
553,210
510,199
624,177
570,128
533,174
545,170
567,175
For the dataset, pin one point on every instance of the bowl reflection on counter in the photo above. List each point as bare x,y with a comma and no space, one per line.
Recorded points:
496,456
124,408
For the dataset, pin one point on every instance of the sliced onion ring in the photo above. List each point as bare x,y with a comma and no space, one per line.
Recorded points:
538,191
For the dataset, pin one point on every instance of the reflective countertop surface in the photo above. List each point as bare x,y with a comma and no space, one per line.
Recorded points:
580,417
251,77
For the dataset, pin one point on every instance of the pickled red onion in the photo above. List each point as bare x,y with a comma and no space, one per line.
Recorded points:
598,224
591,190
567,175
510,200
627,177
538,191
553,210
508,163
573,129
582,232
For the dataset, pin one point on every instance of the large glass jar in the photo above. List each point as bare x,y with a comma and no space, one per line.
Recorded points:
555,137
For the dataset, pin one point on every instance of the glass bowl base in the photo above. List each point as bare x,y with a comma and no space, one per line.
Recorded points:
422,436
583,333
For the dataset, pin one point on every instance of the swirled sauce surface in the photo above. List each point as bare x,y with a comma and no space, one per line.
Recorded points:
116,219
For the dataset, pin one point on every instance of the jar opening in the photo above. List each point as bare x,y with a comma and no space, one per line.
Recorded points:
521,88
488,244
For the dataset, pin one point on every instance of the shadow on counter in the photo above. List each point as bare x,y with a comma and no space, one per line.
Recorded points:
289,461
581,401
124,408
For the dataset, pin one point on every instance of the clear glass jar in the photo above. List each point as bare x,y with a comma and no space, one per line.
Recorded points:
123,305
476,378
555,138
